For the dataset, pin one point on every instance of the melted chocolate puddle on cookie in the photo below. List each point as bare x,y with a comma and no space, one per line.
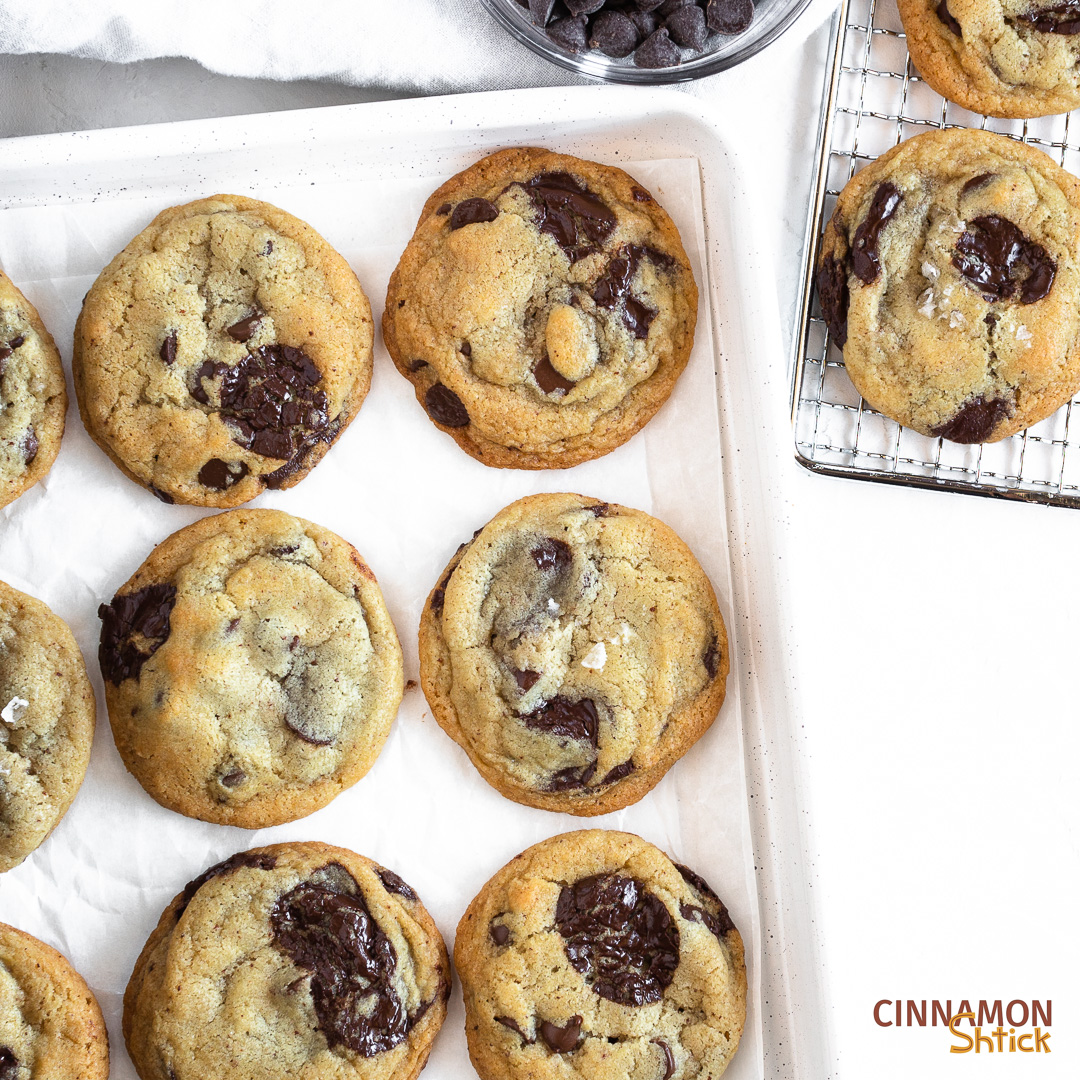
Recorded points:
569,212
619,936
1059,19
1001,262
133,627
975,421
864,247
613,287
833,293
566,719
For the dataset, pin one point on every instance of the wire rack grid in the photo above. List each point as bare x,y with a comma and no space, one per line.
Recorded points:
874,100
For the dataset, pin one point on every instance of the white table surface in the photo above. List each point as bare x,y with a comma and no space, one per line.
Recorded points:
933,642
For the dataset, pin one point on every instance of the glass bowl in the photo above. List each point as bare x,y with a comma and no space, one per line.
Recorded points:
771,19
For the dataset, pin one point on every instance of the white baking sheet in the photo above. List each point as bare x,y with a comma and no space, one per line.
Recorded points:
405,496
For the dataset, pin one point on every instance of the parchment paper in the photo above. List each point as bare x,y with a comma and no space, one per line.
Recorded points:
406,496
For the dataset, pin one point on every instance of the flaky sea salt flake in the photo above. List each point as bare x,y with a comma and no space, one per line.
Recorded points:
13,710
596,657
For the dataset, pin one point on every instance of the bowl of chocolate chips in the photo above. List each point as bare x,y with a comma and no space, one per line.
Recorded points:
646,41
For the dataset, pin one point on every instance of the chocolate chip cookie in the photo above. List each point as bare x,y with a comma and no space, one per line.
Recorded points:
251,669
543,309
300,960
222,352
593,955
1000,57
575,650
949,276
33,398
51,1027
46,723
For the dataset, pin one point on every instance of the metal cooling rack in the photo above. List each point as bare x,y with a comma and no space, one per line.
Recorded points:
875,100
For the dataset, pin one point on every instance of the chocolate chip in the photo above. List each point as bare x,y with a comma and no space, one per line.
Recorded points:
618,773
976,420
392,883
613,287
472,212
669,1059
540,10
561,1039
444,209
507,1022
16,342
567,211
167,352
552,555
687,27
499,934
583,7
325,928
864,248
729,16
221,475
571,34
438,598
228,866
548,379
286,549
613,34
945,15
572,778
526,680
30,446
646,22
269,247
711,658
1059,19
1001,262
245,328
9,1064
466,349
696,882
416,365
641,195
163,496
600,510
976,182
566,719
619,936
833,293
302,716
234,777
445,407
133,627
658,51
231,625
719,923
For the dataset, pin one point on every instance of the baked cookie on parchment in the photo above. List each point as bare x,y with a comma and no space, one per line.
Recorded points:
50,1023
298,959
251,669
575,650
593,955
222,352
33,397
950,276
543,309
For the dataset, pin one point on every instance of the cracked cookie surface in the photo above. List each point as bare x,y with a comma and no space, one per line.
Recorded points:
1005,58
47,716
575,650
949,276
251,669
593,955
222,352
50,1024
543,309
298,959
33,397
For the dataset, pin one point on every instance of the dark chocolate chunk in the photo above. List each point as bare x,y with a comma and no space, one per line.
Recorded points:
619,936
729,16
325,927
976,419
445,407
658,51
9,1064
613,34
243,330
416,365
466,349
540,10
444,209
600,510
646,22
302,715
526,680
30,446
864,248
167,352
552,554
472,212
499,934
945,15
16,342
618,772
711,659
507,1022
613,287
720,923
571,778
583,7
692,913
687,27
976,182
548,379
234,777
220,475
233,862
1002,263
669,1059
133,627
438,598
561,1039
163,496
566,719
1059,19
395,884
669,7
573,216
832,290
570,34
696,882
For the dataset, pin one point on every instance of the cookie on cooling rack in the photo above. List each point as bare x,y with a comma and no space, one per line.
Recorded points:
33,398
999,57
46,723
593,955
575,650
949,275
251,669
329,966
222,352
50,1023
543,309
